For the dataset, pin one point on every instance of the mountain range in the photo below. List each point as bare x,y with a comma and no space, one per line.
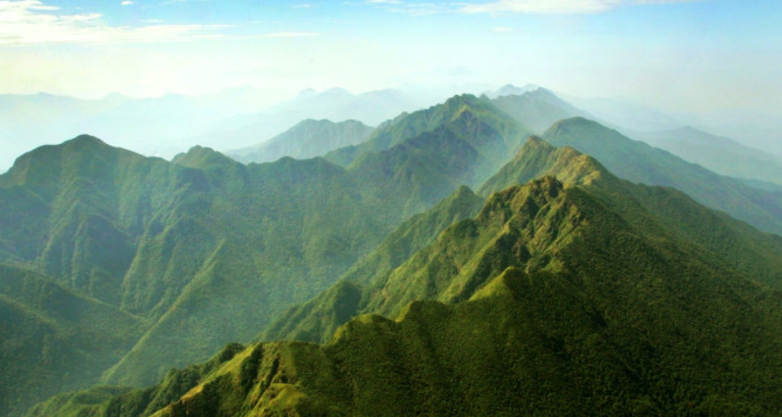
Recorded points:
308,139
336,104
578,274
719,154
592,296
164,126
188,246
153,126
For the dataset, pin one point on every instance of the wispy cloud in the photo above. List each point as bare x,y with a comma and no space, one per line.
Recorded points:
291,35
126,3
28,22
411,7
503,30
557,6
303,6
421,8
181,1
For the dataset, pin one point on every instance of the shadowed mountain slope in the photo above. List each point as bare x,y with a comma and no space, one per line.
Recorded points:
54,338
317,319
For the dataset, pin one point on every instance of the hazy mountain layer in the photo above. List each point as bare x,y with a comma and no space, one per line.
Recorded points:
160,126
308,139
639,162
538,109
510,90
372,108
496,133
721,155
627,114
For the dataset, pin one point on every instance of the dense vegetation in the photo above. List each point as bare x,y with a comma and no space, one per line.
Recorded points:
54,338
581,302
172,260
379,290
192,247
317,319
125,401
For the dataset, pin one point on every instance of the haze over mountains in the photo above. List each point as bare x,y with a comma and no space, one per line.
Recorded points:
578,272
243,118
308,139
168,125
719,154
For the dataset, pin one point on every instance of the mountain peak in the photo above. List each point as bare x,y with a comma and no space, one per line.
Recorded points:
512,200
456,106
512,90
540,91
115,96
574,121
461,99
200,157
85,139
463,190
307,93
535,141
82,155
337,91
538,158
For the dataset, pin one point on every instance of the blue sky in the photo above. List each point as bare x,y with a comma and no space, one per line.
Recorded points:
706,55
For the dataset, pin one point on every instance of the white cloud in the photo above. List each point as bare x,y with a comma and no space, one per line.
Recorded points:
126,3
33,22
303,6
383,2
557,6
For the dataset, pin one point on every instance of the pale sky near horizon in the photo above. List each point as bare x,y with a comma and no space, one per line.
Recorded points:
699,56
